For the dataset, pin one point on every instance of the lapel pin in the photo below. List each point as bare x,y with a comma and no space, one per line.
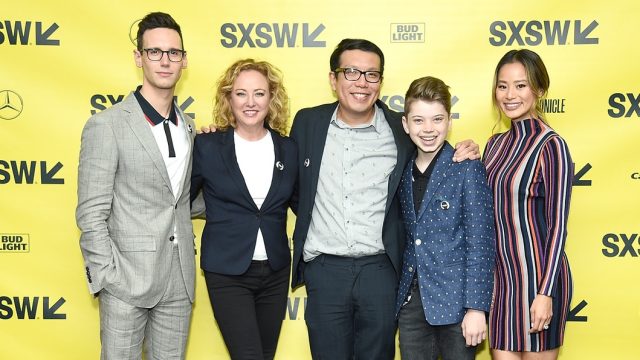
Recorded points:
444,205
306,162
189,128
280,166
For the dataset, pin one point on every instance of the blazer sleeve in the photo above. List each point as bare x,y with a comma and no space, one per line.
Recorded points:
96,177
478,222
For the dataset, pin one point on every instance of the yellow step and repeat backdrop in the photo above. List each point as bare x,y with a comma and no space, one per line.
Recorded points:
60,62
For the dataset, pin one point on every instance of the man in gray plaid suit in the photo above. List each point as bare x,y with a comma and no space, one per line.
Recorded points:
133,206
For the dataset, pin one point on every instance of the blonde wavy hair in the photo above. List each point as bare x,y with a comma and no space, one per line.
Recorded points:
278,114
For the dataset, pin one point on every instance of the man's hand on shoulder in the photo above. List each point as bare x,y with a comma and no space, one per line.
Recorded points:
207,129
466,150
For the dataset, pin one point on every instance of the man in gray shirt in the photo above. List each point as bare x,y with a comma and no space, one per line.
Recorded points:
349,239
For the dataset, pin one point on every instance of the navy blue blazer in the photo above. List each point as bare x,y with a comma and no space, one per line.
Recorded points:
309,130
450,243
232,217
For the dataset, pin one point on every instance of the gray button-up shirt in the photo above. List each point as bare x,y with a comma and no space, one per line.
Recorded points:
352,189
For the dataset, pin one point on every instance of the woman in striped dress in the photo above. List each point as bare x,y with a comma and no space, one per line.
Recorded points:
530,172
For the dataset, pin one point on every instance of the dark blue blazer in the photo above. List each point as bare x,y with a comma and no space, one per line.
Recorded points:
309,130
450,242
232,217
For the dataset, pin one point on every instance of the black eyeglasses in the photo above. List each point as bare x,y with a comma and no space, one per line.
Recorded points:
352,74
174,55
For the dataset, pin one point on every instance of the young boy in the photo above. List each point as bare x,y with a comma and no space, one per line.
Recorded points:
447,272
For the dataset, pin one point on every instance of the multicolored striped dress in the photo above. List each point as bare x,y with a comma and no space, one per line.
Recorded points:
530,172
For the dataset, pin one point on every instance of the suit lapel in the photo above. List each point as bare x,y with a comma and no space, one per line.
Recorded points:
278,170
318,141
404,149
437,176
406,193
142,131
189,128
229,159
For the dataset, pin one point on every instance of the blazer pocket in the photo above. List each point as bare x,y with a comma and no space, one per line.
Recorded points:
137,243
454,258
445,251
453,262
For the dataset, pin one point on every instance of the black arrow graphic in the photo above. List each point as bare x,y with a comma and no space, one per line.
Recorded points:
309,40
573,313
454,100
577,178
42,38
46,176
580,37
185,104
49,312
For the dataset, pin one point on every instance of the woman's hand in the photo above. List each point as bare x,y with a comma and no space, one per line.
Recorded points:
541,313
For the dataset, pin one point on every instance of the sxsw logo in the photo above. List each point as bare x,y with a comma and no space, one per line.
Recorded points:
619,107
620,245
294,305
14,243
264,35
101,102
396,103
553,106
407,33
24,172
532,33
27,308
28,33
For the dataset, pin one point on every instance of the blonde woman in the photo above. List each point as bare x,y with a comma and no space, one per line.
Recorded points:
246,171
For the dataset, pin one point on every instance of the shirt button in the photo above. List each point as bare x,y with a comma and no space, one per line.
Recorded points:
171,238
410,268
418,242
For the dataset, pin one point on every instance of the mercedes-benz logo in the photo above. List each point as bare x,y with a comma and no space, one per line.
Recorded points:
10,104
133,32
